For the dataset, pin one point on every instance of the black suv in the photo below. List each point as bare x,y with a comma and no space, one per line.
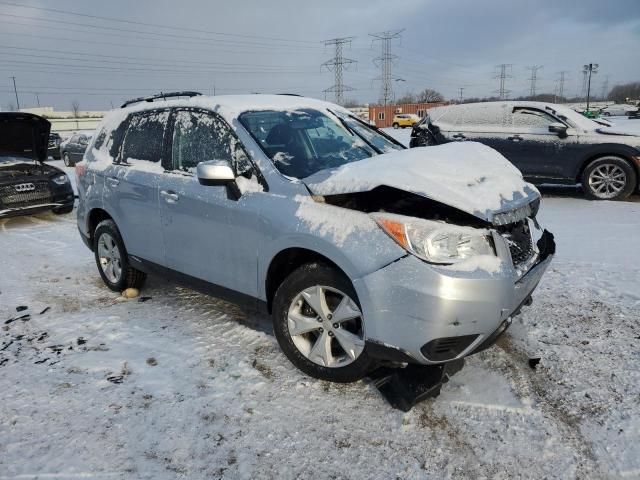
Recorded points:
27,184
549,143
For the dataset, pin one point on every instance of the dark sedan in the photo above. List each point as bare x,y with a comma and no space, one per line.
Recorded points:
550,144
73,149
27,184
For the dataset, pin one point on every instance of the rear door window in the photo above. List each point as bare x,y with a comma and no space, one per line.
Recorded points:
201,136
144,139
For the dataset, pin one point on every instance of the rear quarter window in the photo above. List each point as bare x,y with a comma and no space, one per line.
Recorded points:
144,138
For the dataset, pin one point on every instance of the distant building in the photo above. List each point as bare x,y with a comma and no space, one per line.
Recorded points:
383,115
62,122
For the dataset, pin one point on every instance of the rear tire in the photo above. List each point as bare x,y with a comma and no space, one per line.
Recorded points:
339,330
112,260
67,160
609,178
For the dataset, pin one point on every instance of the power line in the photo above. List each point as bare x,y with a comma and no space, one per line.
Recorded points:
155,25
164,35
337,64
533,79
385,61
502,75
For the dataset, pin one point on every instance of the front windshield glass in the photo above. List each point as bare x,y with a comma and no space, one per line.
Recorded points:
577,120
372,137
305,141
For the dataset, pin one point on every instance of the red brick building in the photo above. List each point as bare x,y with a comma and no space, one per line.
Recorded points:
383,116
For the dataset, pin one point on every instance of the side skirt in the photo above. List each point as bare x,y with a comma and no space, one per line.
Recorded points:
242,299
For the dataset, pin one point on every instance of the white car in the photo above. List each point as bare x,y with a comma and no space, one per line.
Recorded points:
618,110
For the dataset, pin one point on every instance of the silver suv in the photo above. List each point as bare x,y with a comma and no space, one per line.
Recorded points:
360,249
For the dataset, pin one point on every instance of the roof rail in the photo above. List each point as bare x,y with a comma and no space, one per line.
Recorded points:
160,95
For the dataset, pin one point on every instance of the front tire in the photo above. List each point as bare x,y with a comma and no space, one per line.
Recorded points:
319,325
609,178
396,125
112,260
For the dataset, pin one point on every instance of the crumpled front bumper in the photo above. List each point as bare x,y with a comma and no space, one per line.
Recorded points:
421,313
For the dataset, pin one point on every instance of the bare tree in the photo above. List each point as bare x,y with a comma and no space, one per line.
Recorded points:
620,93
407,98
429,95
75,108
350,103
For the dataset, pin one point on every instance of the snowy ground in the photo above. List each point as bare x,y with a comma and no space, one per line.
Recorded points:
187,386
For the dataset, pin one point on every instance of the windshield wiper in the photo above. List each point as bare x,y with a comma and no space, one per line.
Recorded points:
353,132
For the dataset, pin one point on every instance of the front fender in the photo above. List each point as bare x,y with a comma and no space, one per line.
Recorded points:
348,238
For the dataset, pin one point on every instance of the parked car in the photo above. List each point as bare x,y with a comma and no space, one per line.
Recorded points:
73,149
618,110
361,249
27,184
403,120
54,146
549,143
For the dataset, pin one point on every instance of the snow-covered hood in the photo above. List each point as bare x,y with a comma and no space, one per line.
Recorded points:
468,176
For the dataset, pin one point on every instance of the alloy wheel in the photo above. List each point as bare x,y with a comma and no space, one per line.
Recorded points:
110,259
326,326
607,180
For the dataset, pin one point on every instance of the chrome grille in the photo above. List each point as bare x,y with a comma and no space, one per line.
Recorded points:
10,197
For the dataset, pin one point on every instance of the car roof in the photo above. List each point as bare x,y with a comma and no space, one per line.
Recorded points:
229,106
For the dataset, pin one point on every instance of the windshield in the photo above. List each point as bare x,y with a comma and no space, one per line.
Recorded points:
577,120
305,141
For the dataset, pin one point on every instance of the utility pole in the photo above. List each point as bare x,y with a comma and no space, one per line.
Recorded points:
15,90
561,84
38,99
385,61
588,69
461,89
337,65
502,75
533,79
605,88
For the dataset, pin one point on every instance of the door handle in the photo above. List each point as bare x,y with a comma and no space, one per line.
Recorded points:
114,182
459,135
169,196
515,138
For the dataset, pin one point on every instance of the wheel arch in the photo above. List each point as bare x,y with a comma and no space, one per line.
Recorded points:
95,216
288,260
624,155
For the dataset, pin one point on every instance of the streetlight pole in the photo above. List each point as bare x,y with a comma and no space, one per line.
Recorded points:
15,90
590,68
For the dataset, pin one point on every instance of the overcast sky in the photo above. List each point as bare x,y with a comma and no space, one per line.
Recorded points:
242,46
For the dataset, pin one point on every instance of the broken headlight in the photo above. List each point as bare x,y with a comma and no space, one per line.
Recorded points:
60,179
436,242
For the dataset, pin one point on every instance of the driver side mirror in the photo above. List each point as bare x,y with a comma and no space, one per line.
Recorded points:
218,172
558,128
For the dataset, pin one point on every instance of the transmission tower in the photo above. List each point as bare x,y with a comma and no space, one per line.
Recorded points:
502,75
605,88
561,84
533,79
583,92
461,89
385,61
337,65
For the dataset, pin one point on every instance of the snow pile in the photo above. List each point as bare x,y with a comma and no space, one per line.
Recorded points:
469,176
